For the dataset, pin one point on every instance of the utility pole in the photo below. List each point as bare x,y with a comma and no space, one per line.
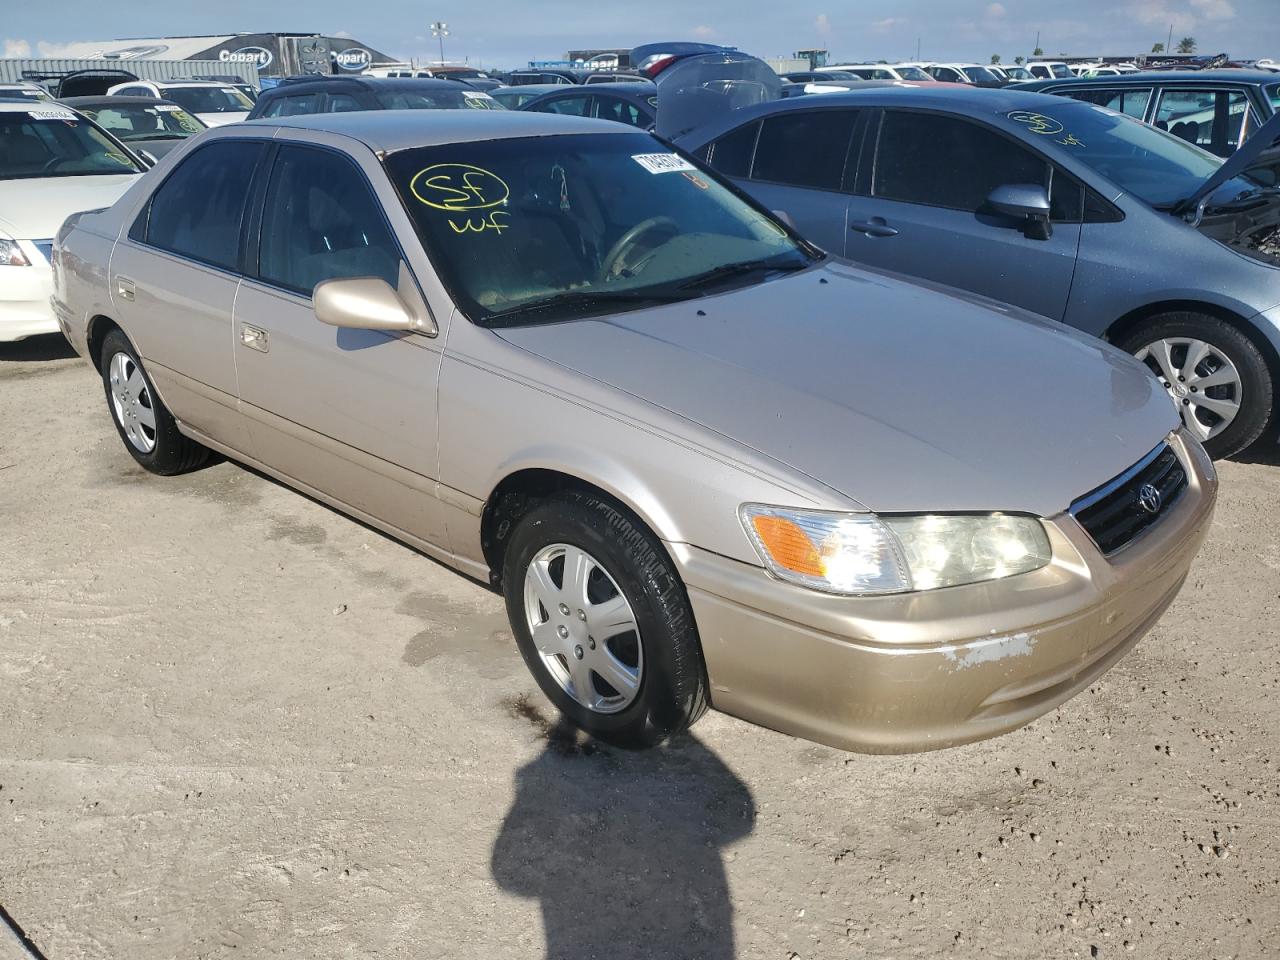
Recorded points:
440,30
1168,47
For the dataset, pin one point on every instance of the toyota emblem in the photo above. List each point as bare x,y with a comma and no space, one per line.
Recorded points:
1149,498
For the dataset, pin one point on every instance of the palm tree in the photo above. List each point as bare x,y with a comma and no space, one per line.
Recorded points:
1038,52
995,58
1157,48
1187,45
1019,60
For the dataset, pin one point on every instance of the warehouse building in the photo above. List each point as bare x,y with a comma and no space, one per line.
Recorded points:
270,54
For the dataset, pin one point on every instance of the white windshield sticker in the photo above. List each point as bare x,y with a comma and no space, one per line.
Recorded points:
663,162
52,113
477,95
167,108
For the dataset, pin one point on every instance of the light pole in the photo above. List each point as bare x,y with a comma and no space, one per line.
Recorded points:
440,31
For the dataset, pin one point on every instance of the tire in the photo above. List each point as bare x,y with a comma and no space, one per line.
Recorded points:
1231,356
662,655
145,425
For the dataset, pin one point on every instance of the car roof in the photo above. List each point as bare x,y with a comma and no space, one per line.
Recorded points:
372,83
957,98
537,89
631,89
392,130
1191,77
105,101
16,106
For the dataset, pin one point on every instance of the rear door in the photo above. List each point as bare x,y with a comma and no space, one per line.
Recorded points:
174,279
797,162
923,211
1217,119
348,413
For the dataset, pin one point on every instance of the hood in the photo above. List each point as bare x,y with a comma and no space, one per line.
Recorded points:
35,209
1258,149
700,82
222,119
899,396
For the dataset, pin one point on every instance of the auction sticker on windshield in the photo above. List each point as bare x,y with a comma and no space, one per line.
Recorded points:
52,113
663,162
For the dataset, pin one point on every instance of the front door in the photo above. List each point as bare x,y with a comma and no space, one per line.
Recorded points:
348,413
927,213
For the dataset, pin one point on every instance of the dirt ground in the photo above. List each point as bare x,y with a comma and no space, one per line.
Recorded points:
235,723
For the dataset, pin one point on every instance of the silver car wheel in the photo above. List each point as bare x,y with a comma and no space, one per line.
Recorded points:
584,628
131,403
1201,379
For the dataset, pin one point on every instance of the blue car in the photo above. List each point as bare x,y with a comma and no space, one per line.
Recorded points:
1061,207
632,103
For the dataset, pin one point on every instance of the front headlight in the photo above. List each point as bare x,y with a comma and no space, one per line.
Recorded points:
11,254
860,553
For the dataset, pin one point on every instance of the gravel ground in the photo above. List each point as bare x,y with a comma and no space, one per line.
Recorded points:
235,723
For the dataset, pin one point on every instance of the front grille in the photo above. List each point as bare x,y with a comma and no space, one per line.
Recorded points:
1119,511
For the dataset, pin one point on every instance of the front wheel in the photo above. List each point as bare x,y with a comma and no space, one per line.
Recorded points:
603,622
1215,375
145,425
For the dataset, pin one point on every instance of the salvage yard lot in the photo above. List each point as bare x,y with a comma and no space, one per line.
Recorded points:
234,722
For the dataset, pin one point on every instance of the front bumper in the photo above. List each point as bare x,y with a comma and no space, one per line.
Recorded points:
24,298
927,670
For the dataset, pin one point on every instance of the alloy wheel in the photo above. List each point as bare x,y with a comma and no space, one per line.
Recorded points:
1202,381
131,402
583,628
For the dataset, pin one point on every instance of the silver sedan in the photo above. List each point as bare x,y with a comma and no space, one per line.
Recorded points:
706,464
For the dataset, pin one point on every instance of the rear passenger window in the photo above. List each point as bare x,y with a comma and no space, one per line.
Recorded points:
573,106
343,103
322,222
291,106
731,154
1132,101
944,162
805,149
198,210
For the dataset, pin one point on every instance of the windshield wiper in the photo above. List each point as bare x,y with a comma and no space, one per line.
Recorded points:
728,270
582,298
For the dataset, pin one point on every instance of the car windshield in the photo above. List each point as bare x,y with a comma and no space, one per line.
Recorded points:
1151,164
52,141
912,73
161,121
1273,94
23,93
1061,71
434,98
538,229
980,75
1018,73
209,99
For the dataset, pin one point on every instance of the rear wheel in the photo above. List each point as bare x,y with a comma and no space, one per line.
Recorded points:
603,622
148,430
1215,375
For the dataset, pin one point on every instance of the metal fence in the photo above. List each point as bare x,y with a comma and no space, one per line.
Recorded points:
23,68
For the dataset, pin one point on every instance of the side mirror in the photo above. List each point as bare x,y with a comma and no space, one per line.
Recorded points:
148,157
367,303
1027,203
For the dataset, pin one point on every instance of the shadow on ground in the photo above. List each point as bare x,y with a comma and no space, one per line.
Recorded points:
52,346
624,850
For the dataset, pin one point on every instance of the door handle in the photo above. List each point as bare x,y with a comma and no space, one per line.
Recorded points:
255,338
875,227
125,288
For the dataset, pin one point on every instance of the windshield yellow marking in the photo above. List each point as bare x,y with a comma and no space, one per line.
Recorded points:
472,225
1045,126
459,187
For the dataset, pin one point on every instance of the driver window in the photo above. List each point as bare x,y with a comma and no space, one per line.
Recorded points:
320,222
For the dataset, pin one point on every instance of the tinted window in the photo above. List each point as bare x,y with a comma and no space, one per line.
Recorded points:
805,149
198,210
573,106
620,111
423,98
321,222
945,162
732,153
343,103
291,106
1130,100
210,99
48,140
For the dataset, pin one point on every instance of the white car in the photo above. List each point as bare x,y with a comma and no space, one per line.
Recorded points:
213,102
23,90
1050,70
880,71
53,162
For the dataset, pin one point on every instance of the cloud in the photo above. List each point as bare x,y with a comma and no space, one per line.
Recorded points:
823,24
1161,13
995,11
16,48
887,24
703,32
1214,9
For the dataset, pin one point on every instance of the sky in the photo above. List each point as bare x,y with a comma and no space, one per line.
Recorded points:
508,33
